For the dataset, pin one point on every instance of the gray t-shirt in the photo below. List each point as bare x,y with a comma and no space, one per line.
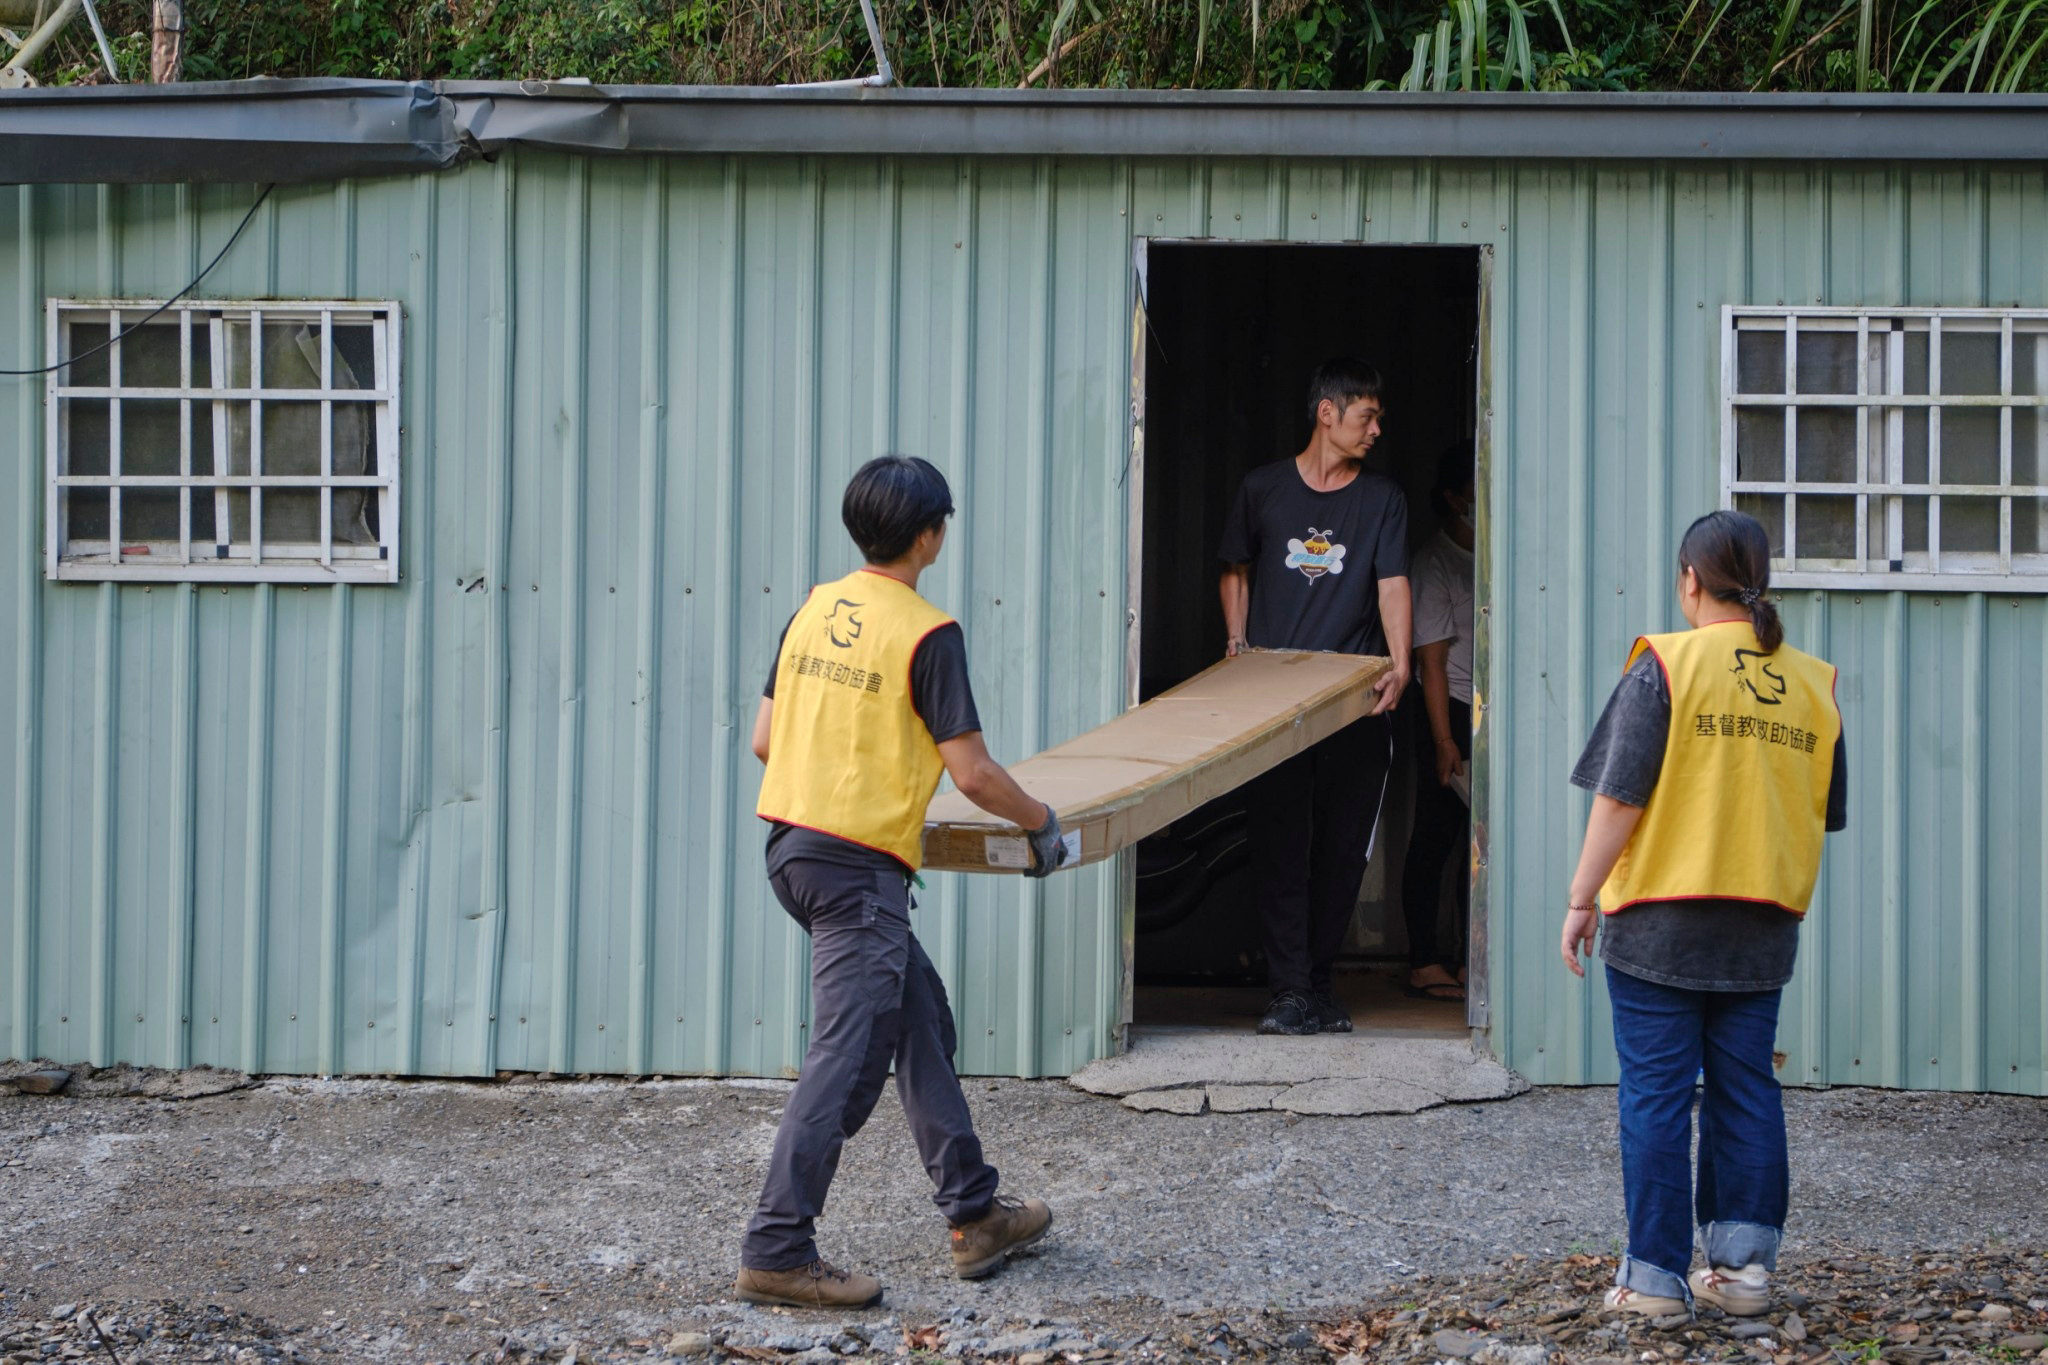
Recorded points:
1441,580
1701,945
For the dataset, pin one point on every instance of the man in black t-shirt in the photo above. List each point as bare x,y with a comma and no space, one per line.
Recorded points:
1315,556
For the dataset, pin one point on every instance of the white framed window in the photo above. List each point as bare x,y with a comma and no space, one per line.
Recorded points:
222,441
1890,447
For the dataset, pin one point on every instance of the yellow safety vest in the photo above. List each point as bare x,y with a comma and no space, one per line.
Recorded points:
848,754
1740,807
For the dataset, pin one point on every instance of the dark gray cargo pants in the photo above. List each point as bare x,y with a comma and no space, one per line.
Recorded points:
875,999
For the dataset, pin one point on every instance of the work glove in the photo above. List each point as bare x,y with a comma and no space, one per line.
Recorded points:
1048,849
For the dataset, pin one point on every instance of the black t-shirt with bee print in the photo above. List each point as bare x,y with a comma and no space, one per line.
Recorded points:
1316,558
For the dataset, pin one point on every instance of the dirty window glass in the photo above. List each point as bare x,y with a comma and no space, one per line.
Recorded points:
1891,448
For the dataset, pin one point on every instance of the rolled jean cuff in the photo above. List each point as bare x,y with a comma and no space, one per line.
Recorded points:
1736,1245
1647,1279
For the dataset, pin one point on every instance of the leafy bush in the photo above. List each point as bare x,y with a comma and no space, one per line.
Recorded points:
1905,45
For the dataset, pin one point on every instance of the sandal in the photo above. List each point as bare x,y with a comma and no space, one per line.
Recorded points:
1435,990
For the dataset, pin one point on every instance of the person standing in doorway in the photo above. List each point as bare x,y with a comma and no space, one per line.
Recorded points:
868,704
1443,785
1716,770
1315,555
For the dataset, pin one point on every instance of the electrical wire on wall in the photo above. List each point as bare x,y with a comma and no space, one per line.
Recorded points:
125,333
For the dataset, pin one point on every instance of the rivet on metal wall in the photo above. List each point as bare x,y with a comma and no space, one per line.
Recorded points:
138,1018
522,1018
600,1027
65,1019
1238,217
679,1018
373,1023
1311,218
757,1023
295,1018
1463,223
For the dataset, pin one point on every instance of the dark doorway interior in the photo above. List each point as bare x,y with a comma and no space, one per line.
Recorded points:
1234,333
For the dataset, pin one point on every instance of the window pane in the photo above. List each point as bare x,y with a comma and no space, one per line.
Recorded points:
84,437
1916,360
354,508
1969,445
149,356
1768,508
2030,526
149,514
290,518
1915,460
1969,524
149,437
1915,520
2029,362
1969,361
355,360
85,514
91,372
1760,362
291,355
1827,448
2029,426
1827,362
1760,444
1827,527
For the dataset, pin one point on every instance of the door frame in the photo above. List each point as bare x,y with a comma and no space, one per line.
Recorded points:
1478,1003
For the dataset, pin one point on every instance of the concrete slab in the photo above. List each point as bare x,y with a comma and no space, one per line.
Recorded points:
1381,1075
1243,1099
1356,1095
1187,1101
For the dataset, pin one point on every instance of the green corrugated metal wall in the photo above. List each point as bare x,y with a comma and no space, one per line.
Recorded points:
497,818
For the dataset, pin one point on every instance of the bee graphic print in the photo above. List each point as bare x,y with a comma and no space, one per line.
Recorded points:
1315,556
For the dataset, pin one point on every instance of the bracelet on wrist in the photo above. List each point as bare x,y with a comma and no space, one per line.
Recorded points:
1571,908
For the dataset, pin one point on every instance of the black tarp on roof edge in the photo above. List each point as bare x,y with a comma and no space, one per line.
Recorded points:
294,131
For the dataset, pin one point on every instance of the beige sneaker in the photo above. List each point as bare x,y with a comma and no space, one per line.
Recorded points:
1010,1225
1744,1293
1622,1299
816,1285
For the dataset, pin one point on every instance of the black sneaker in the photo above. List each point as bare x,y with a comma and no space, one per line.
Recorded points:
1292,1013
1330,1016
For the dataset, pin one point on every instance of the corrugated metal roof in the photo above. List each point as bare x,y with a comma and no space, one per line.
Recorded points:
293,131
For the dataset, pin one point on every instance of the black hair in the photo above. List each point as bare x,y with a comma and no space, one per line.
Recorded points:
1729,554
890,502
1453,475
1343,381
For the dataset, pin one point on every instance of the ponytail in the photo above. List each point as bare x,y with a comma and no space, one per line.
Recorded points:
1729,554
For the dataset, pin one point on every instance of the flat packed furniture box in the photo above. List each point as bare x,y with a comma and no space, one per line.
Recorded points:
1142,771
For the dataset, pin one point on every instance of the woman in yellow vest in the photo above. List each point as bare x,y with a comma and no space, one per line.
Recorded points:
1715,769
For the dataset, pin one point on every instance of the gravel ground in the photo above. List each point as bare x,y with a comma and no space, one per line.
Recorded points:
425,1221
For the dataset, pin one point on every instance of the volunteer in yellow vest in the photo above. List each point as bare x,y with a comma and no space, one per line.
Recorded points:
867,706
1715,769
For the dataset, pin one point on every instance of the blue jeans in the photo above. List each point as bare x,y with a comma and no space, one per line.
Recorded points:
1665,1036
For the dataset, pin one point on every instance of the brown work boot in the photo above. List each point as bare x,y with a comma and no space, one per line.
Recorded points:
1010,1225
816,1285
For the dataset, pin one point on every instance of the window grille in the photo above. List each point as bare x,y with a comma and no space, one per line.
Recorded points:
1890,447
223,442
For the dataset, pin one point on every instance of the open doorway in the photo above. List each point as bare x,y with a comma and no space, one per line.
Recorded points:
1234,332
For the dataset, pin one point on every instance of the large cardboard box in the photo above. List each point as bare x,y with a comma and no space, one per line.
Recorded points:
1150,766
